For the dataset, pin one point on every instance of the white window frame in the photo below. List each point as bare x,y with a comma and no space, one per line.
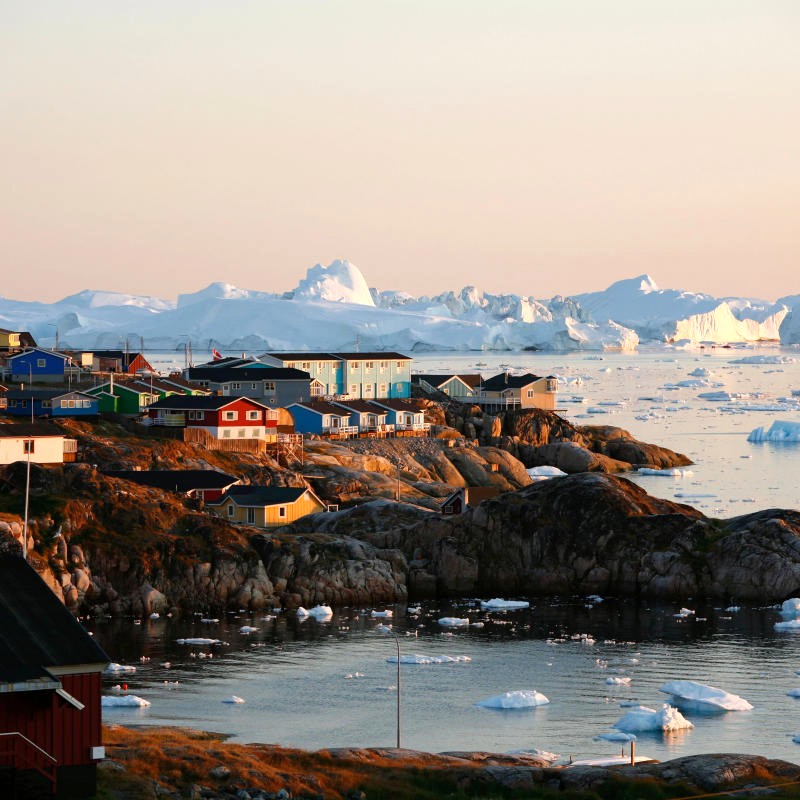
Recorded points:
41,362
230,416
253,415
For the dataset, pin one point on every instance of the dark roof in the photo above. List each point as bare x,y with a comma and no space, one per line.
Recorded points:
380,356
497,383
42,394
176,480
397,404
263,495
16,429
262,373
363,406
304,356
37,630
322,407
36,349
128,356
227,361
178,380
437,380
181,402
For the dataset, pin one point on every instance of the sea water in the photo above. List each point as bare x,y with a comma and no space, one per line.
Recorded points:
322,684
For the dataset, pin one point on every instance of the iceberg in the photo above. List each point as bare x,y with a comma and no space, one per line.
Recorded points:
235,699
543,473
779,431
319,613
790,609
616,736
618,681
672,472
642,718
497,604
124,701
417,658
119,669
519,698
453,622
699,697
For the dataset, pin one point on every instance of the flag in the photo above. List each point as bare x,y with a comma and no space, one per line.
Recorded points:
215,354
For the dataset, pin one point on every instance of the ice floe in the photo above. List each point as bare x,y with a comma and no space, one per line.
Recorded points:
519,698
418,658
124,701
119,669
642,718
453,622
382,614
199,640
497,604
543,473
618,681
235,699
319,613
673,472
691,695
616,736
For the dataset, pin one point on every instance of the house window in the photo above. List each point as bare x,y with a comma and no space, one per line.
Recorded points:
354,366
269,387
226,434
251,515
196,415
40,362
255,433
230,509
317,389
29,446
369,365
229,416
384,365
253,415
253,385
552,385
398,387
282,511
236,386
320,366
353,388
242,433
399,365
530,393
306,366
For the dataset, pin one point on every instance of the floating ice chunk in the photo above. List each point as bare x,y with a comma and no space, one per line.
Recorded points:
779,431
616,736
796,738
684,613
793,692
733,609
247,629
519,698
199,640
542,473
790,609
535,751
155,615
382,614
453,622
594,598
119,669
764,360
497,603
383,629
414,609
642,718
124,701
699,697
418,658
319,613
233,699
209,619
673,472
354,675
618,681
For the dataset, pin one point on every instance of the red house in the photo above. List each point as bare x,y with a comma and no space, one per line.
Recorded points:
50,691
222,417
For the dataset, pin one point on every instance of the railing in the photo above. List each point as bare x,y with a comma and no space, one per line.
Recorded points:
414,426
343,431
168,421
19,752
383,427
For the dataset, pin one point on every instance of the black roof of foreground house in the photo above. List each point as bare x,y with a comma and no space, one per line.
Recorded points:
37,631
263,495
176,480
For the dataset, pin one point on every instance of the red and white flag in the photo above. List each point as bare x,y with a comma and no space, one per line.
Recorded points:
215,354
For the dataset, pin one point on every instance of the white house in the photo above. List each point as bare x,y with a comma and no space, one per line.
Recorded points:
47,444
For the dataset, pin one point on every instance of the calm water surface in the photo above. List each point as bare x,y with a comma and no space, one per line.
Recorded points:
293,676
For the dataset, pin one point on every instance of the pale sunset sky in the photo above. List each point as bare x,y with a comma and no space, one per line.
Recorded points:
538,147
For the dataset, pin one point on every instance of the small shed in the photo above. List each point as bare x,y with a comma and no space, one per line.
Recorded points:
267,506
50,689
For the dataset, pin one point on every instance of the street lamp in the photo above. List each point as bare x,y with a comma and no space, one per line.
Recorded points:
397,642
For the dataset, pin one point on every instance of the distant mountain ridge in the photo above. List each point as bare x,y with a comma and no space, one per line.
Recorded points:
333,308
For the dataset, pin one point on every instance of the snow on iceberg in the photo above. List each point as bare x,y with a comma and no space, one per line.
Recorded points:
642,718
779,431
418,658
124,701
690,695
498,604
519,698
790,609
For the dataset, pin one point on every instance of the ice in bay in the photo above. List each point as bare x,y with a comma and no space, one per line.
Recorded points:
319,613
642,718
618,681
616,736
124,701
234,699
790,609
382,614
497,603
199,640
247,629
673,472
519,698
453,622
779,431
119,669
793,693
700,697
543,473
418,658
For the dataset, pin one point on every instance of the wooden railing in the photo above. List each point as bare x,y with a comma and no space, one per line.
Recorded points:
19,752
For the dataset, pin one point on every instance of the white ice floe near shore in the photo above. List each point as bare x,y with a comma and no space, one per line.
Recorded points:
119,669
672,472
616,736
382,614
618,681
519,698
498,604
419,658
691,695
779,431
642,718
124,701
199,640
453,622
319,613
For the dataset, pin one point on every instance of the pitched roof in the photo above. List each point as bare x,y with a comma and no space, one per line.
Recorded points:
397,404
263,495
497,383
321,407
37,631
362,406
177,480
31,350
472,380
185,402
14,430
262,373
227,361
43,394
375,356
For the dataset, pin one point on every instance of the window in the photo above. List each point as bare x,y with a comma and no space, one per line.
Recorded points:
255,432
369,365
306,366
530,393
384,365
269,387
229,416
353,388
552,385
320,366
242,433
253,385
236,386
230,509
86,403
282,511
196,415
354,366
226,434
29,446
253,415
49,403
399,365
40,362
251,515
398,387
317,389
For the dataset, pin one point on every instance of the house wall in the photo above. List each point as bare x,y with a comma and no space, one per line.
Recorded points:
27,365
305,421
46,449
270,516
270,392
29,713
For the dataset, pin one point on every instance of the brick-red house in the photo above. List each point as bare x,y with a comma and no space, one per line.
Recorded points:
50,690
221,417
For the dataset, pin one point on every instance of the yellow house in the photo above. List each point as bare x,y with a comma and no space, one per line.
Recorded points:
266,506
9,340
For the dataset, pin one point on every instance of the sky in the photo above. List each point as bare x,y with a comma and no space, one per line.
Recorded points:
529,146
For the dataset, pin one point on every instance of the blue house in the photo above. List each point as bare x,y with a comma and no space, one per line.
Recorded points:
51,403
407,418
366,416
322,418
38,366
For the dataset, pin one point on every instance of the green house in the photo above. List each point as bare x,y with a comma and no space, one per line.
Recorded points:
123,397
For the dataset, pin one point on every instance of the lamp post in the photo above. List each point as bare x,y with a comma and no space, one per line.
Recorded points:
397,643
28,447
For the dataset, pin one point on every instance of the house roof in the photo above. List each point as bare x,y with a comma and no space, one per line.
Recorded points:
185,402
497,383
181,382
375,356
437,380
362,406
261,496
43,394
13,430
31,350
379,356
38,632
177,480
321,407
137,387
397,404
262,373
227,361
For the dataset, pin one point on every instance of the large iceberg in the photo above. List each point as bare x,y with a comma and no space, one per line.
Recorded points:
690,695
779,431
519,698
642,718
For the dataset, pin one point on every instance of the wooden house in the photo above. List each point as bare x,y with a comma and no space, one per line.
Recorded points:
459,387
37,365
43,443
198,484
131,398
517,391
10,341
267,506
117,361
273,386
406,417
220,417
3,398
50,690
367,417
457,501
322,418
51,403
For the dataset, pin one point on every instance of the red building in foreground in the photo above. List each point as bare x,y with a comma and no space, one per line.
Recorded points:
50,691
